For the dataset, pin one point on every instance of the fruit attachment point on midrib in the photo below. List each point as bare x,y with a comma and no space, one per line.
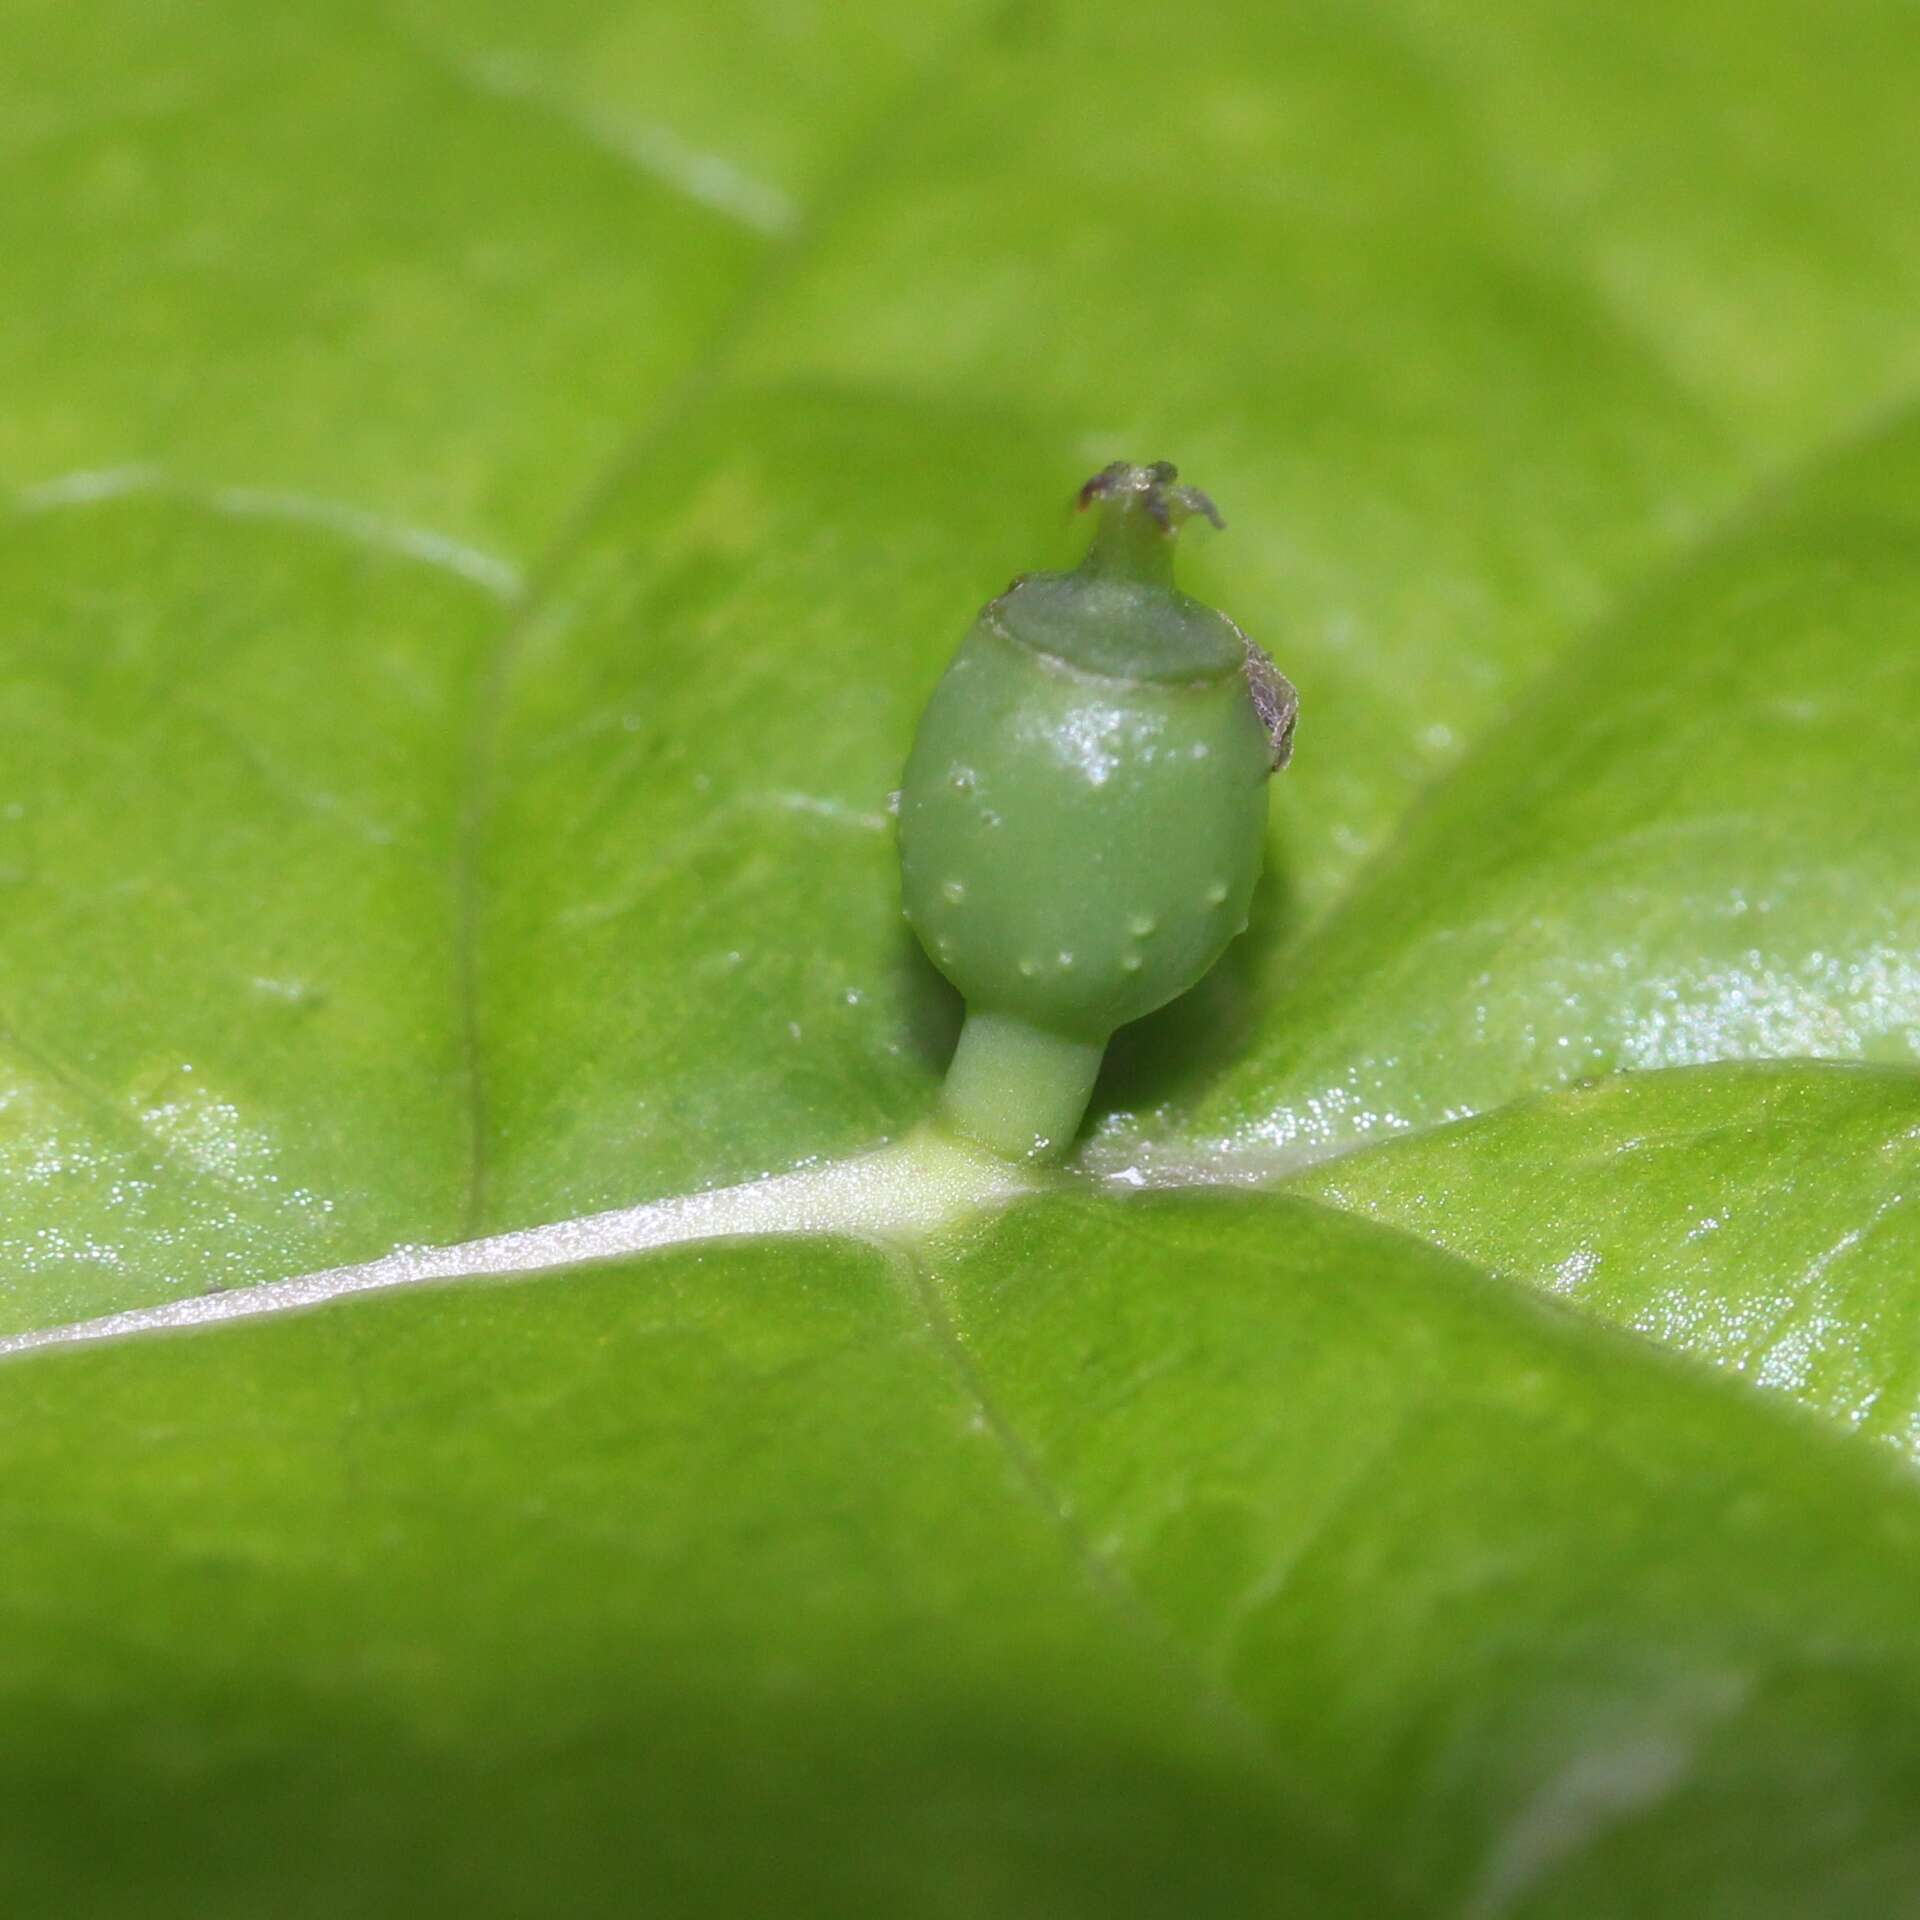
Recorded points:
1083,812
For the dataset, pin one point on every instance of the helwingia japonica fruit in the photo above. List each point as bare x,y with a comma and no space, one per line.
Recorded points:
1084,809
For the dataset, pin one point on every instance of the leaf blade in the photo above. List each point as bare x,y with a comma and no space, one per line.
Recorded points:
1755,1216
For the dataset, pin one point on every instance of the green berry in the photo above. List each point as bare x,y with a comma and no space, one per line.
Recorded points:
1084,810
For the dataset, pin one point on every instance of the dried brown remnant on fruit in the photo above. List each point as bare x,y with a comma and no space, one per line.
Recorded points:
1274,700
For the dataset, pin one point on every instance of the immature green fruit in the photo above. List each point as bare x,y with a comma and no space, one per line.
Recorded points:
1084,809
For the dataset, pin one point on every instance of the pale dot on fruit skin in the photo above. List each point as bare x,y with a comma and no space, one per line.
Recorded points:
955,890
1142,924
1217,893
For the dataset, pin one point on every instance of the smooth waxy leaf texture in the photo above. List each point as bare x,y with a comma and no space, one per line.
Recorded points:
706,1588
1760,1216
249,1074
1477,1616
787,1574
1695,844
489,491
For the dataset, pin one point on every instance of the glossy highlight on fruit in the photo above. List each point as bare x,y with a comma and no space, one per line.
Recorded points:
1084,810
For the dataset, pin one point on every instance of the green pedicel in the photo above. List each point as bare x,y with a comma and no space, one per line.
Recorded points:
1083,812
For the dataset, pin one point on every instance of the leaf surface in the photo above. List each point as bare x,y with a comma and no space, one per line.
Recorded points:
1695,843
487,493
1758,1216
1033,1585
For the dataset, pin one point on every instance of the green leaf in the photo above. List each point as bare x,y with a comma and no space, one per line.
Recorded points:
244,1067
1578,1629
1759,1216
486,493
1151,1558
702,1586
1695,843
